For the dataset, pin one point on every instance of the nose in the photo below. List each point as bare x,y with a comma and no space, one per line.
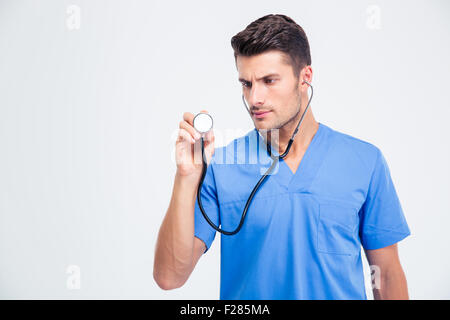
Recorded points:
256,96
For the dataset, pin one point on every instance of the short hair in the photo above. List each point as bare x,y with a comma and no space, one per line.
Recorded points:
274,32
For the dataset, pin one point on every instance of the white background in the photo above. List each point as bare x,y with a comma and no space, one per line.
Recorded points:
89,115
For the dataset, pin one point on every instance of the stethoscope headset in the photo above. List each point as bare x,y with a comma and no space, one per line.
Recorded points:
203,122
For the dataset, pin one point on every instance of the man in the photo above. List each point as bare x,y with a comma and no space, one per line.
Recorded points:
304,229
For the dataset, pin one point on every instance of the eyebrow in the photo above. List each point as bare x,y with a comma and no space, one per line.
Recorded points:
266,76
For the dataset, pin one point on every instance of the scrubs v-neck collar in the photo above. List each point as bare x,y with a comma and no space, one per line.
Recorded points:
308,167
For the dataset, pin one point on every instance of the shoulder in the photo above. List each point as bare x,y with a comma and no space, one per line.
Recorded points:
349,146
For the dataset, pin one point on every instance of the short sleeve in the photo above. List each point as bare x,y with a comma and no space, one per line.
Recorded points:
382,221
208,194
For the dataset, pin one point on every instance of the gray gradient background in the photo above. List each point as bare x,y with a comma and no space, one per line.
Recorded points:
88,120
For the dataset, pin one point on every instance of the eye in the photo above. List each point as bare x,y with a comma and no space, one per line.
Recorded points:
270,81
246,84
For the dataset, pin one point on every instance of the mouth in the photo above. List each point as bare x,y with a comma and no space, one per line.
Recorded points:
260,114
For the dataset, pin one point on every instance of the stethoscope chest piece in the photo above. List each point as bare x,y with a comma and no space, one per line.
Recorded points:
203,122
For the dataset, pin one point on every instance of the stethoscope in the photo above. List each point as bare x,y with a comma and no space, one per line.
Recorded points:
203,122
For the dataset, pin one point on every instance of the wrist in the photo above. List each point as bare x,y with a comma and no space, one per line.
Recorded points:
193,178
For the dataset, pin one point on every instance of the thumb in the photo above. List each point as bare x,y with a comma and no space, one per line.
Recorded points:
209,135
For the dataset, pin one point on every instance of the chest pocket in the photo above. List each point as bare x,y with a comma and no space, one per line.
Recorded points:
337,229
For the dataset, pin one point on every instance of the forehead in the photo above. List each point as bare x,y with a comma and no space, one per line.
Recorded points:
273,61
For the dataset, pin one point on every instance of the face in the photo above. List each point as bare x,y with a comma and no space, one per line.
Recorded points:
271,90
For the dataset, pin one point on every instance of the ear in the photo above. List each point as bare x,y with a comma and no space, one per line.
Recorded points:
305,74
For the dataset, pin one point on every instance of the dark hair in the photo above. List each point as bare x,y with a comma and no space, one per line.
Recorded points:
274,32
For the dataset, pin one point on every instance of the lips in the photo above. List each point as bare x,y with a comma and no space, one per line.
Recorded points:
261,114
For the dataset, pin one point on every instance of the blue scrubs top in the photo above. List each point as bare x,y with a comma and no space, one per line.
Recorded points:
302,236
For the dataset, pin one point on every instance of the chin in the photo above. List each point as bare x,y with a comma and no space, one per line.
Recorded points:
263,126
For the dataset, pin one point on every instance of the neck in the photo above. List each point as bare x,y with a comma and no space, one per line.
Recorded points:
302,139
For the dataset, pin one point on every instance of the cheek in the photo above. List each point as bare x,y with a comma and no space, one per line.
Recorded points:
283,92
284,99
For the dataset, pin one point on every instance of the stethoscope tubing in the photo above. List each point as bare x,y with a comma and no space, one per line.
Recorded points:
275,159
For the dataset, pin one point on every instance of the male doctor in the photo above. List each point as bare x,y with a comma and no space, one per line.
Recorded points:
305,226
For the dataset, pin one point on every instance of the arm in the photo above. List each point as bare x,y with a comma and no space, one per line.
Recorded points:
390,281
177,249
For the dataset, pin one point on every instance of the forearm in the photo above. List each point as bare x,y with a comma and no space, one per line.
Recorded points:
174,249
393,286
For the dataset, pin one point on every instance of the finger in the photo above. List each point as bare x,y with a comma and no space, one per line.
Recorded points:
210,139
184,135
209,135
209,150
189,118
189,128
